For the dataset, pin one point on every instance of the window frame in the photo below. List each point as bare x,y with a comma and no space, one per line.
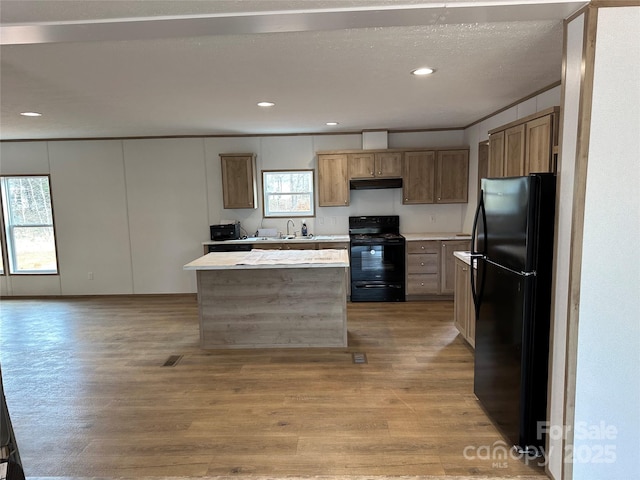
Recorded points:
8,249
312,194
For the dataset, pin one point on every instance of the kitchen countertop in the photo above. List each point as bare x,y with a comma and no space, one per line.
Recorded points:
265,259
464,256
258,240
337,238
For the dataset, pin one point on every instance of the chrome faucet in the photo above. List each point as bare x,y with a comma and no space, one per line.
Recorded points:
292,224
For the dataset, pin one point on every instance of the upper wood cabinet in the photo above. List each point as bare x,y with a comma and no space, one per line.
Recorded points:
538,157
333,180
496,154
419,177
239,180
440,176
428,175
514,151
375,165
524,146
452,180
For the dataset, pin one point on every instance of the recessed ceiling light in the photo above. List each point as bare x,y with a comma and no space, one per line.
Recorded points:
266,104
332,124
30,114
423,71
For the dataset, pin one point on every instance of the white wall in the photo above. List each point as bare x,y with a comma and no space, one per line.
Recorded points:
167,208
607,381
92,232
131,213
564,213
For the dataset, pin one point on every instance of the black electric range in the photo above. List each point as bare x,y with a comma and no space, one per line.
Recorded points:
377,255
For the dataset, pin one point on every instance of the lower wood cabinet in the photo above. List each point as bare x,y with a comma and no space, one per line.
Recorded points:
423,267
287,246
464,314
447,283
430,266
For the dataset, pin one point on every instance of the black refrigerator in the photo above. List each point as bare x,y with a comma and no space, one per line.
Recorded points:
512,245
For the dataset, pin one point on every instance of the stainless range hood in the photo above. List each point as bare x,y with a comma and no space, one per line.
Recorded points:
375,183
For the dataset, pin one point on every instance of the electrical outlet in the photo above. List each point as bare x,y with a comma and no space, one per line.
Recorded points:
90,276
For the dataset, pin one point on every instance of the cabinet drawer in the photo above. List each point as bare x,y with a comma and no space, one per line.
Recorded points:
425,246
423,284
423,263
336,245
300,246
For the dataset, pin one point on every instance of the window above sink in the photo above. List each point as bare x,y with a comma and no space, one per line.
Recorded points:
288,193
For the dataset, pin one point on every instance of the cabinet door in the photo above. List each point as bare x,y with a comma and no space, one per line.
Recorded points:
447,273
418,179
238,181
538,151
496,154
514,151
388,164
333,184
452,183
361,165
460,304
471,315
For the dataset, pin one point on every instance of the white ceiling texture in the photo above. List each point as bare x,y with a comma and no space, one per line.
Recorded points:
99,69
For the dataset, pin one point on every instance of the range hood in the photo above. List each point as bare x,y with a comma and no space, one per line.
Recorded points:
375,183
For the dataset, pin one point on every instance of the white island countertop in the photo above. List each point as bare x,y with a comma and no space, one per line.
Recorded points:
265,259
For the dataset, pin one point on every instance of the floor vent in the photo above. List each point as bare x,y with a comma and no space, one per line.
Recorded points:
172,361
359,357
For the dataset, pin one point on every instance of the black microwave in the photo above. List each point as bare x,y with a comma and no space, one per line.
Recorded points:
229,231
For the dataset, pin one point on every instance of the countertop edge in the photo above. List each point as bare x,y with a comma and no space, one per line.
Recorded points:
410,237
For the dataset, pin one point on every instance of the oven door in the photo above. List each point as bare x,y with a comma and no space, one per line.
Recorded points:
377,272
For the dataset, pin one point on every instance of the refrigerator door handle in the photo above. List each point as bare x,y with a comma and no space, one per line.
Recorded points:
521,273
477,293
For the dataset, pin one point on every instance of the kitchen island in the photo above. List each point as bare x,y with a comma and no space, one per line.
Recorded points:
272,298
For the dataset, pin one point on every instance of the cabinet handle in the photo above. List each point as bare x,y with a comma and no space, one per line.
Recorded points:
422,264
422,247
464,269
422,284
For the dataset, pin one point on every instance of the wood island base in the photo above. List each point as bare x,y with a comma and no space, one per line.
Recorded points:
272,308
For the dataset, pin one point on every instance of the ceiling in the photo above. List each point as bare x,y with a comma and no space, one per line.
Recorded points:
99,69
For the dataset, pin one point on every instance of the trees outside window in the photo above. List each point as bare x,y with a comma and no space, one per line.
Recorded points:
288,193
29,238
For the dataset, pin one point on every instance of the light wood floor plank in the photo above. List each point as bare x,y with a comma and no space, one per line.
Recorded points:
89,396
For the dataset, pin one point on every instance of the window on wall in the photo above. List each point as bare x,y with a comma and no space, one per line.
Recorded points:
288,193
29,239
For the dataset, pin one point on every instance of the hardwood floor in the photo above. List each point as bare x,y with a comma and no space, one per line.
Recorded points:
89,396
